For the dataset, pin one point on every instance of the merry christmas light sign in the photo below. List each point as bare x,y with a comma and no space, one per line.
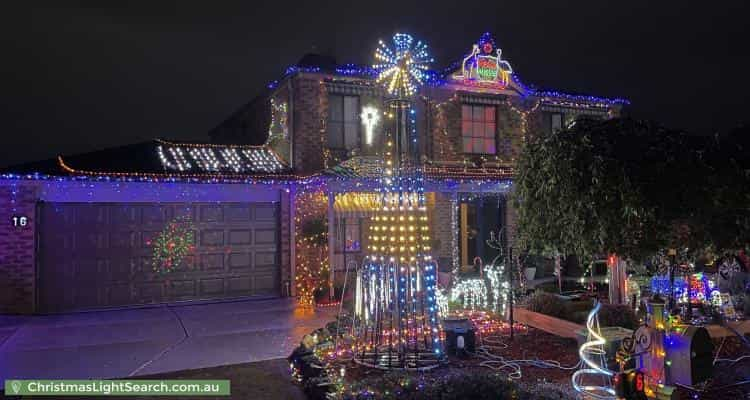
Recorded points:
484,65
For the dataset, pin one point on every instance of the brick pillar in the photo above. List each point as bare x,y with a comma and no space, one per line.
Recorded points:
17,247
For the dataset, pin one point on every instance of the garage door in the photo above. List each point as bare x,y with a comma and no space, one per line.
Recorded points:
94,255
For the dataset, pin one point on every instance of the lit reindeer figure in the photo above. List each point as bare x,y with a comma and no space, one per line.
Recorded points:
474,291
495,273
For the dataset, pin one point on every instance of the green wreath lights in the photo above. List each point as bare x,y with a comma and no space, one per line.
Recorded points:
172,245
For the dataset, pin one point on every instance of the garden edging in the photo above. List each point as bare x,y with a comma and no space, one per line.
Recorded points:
553,325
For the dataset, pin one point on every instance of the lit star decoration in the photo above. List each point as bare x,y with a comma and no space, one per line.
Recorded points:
370,117
403,68
172,245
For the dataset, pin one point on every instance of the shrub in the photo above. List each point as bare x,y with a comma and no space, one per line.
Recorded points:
454,385
547,303
617,315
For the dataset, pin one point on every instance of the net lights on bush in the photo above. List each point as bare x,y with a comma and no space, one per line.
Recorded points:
402,68
695,288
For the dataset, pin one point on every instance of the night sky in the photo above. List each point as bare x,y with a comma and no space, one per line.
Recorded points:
86,76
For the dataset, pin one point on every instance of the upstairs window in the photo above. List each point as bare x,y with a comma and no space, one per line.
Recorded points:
343,122
556,122
478,129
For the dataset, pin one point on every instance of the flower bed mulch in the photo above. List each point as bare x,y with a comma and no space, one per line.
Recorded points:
470,374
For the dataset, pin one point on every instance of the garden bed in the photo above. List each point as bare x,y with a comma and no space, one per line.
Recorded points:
547,323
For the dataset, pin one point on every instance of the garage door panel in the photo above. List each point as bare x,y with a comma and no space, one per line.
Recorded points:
91,241
100,255
240,261
124,240
119,294
189,263
122,269
265,259
265,212
240,237
211,213
124,215
265,236
154,214
183,289
212,238
210,287
240,284
184,211
211,262
148,238
265,284
238,213
150,292
91,214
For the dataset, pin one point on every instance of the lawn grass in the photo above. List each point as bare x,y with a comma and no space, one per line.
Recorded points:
258,380
267,380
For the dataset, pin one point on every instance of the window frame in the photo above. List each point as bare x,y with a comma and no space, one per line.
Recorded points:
552,115
343,123
484,122
340,241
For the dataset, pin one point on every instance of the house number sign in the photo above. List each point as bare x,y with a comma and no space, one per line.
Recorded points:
19,221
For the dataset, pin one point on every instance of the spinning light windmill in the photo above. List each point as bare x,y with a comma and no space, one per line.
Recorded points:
402,68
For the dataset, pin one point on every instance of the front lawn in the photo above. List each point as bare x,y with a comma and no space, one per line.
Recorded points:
268,380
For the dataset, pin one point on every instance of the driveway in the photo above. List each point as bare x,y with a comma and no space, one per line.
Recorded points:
122,343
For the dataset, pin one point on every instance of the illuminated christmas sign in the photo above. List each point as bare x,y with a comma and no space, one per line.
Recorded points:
484,65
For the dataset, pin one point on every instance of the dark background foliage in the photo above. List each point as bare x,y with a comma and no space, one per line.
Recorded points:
632,187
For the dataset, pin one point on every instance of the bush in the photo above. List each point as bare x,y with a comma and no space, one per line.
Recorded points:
455,385
547,303
578,311
617,315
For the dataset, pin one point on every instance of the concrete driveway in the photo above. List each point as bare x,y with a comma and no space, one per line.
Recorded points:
122,343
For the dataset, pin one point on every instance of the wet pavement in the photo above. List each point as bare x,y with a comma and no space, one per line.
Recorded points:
122,343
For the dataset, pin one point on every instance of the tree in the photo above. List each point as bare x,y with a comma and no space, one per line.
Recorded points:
617,186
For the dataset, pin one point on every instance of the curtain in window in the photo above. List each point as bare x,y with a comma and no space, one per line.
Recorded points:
343,122
478,128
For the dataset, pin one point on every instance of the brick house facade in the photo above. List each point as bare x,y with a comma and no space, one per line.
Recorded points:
308,132
307,90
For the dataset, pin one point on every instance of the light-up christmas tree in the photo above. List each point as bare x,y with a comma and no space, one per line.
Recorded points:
396,299
594,380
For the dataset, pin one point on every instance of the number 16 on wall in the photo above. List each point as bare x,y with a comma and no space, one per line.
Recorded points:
20,221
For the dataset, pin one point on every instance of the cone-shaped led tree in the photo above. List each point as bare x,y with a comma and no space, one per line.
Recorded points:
396,307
